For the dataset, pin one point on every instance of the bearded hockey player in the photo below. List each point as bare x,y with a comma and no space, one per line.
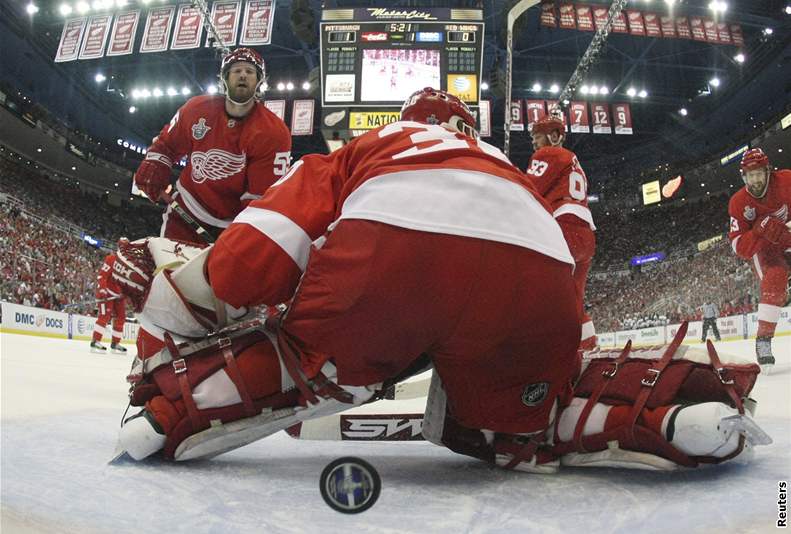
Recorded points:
414,244
559,178
235,149
759,231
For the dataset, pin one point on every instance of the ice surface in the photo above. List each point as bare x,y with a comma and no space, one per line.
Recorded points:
61,409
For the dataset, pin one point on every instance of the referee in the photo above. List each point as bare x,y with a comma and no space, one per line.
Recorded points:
710,314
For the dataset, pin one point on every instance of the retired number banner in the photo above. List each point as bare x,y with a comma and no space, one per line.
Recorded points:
69,47
698,32
485,119
225,16
257,25
189,28
636,24
302,117
535,111
601,119
553,108
157,32
122,38
724,33
96,37
622,116
668,26
278,107
578,112
710,28
736,35
682,28
517,120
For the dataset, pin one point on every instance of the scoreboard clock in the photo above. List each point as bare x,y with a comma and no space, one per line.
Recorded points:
372,59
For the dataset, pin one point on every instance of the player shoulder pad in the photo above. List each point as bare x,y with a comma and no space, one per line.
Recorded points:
556,154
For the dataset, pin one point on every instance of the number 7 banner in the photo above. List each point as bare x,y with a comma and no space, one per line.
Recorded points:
578,112
622,117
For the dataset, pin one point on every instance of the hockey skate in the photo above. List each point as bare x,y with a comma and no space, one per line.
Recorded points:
117,348
140,437
98,348
763,352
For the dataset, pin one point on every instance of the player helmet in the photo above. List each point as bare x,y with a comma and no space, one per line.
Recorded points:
432,106
242,54
755,171
548,124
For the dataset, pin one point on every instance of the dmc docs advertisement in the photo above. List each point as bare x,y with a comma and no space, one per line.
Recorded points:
18,319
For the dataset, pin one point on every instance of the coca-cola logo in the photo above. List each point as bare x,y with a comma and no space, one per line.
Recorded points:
374,36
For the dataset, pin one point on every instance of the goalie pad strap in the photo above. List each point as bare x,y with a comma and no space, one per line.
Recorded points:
652,376
232,370
594,398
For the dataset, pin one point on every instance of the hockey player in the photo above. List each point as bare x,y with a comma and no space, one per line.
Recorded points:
560,179
111,303
414,239
759,232
235,148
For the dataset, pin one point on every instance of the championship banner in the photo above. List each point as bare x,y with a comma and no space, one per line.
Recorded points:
601,119
278,107
189,28
257,24
636,24
567,19
517,119
736,35
96,37
600,17
584,18
622,117
302,117
652,25
668,26
619,24
485,118
710,28
578,114
122,38
682,28
548,17
69,47
225,17
555,105
157,32
696,25
535,110
723,33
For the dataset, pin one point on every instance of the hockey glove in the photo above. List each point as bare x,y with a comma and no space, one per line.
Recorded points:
133,271
153,177
773,230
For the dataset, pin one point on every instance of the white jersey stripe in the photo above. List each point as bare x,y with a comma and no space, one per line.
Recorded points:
199,211
579,211
280,229
459,202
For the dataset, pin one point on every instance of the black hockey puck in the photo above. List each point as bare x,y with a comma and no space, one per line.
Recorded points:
350,485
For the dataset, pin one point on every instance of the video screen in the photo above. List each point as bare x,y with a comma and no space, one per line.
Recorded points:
393,75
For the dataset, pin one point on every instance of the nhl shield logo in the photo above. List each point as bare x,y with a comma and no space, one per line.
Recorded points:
199,129
749,213
534,394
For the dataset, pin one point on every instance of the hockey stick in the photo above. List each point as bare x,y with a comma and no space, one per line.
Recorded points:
202,232
361,427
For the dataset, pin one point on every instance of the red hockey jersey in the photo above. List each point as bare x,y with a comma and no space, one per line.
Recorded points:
106,287
746,211
407,174
229,161
560,179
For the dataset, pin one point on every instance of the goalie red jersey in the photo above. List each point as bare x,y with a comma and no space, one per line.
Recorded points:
230,161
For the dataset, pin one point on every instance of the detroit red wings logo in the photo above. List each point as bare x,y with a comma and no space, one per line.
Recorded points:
216,164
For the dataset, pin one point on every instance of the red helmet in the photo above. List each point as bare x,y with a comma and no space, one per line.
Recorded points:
432,106
548,124
243,54
754,159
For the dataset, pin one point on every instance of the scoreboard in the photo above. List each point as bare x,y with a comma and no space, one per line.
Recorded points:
372,59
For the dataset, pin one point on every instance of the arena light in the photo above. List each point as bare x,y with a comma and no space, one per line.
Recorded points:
132,109
211,89
281,86
718,6
99,77
788,10
290,86
83,7
31,8
157,92
594,89
145,93
584,89
484,86
121,3
714,82
683,112
554,88
670,2
306,86
185,90
643,93
768,31
604,90
65,10
631,91
171,91
536,87
739,58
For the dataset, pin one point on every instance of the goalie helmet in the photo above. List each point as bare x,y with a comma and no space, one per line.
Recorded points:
432,106
755,170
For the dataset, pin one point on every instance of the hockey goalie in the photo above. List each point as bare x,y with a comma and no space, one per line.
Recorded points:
415,244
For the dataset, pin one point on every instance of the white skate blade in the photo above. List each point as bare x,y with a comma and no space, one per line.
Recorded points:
745,426
766,368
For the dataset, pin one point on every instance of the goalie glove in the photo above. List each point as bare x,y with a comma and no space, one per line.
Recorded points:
153,175
133,270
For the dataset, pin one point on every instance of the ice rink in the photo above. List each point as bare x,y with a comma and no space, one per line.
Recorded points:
61,409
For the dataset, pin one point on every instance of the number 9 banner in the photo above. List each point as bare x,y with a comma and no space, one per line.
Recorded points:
622,118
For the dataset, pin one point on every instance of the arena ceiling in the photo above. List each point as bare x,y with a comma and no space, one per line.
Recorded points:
675,73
